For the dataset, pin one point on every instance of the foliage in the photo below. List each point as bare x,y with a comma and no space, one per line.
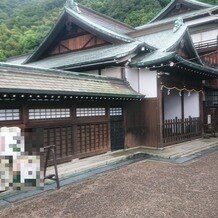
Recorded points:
24,23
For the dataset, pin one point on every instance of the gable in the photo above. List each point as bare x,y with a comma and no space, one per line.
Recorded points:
185,48
75,30
73,38
179,7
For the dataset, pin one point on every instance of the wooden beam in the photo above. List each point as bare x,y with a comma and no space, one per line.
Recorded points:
88,41
65,47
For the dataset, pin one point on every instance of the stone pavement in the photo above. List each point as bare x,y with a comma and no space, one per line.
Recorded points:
145,189
79,170
171,152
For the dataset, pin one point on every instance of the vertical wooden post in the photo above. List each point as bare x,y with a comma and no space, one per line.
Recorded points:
125,125
201,102
109,126
182,111
160,112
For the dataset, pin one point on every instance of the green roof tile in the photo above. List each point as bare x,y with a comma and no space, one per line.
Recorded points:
99,28
84,57
164,39
36,80
196,4
154,57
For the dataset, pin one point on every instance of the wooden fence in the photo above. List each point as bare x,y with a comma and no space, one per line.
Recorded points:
178,130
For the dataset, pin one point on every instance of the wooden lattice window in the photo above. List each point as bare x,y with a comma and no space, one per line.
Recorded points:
62,138
90,112
9,114
116,111
49,113
92,137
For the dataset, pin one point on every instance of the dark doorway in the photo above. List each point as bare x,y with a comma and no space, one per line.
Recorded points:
116,129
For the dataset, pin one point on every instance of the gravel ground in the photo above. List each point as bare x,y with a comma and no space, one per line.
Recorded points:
145,189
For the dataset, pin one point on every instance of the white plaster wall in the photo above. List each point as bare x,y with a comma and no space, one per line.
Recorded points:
148,83
172,105
132,76
95,72
191,105
143,81
203,36
112,72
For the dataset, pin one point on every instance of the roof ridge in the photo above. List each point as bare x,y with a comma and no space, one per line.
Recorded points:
122,37
173,2
197,2
173,18
105,16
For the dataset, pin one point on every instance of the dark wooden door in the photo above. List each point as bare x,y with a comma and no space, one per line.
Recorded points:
117,135
117,128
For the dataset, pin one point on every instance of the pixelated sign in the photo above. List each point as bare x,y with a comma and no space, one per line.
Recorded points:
18,170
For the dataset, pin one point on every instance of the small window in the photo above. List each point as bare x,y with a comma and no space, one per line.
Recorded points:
9,114
116,111
49,113
90,112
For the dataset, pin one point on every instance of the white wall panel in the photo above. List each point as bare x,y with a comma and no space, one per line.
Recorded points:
172,105
191,105
112,72
132,76
148,83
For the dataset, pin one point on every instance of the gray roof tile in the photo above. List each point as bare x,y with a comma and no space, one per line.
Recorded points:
104,53
20,79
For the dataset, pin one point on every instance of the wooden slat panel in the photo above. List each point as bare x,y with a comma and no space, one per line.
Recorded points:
92,137
62,138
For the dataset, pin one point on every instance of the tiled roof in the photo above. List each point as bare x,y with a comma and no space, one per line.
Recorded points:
101,54
188,15
105,21
89,21
98,26
155,57
160,58
196,4
202,68
23,79
163,40
18,59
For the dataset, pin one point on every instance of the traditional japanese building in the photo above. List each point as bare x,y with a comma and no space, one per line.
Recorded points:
202,22
81,114
135,87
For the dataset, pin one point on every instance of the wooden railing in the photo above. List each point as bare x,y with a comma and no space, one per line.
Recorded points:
178,130
211,59
202,45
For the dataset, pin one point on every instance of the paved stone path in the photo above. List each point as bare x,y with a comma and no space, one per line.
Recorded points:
144,189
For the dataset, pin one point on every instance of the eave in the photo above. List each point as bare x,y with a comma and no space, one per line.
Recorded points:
39,81
92,57
173,63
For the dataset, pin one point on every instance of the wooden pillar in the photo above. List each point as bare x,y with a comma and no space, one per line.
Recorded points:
182,110
109,127
201,106
160,96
